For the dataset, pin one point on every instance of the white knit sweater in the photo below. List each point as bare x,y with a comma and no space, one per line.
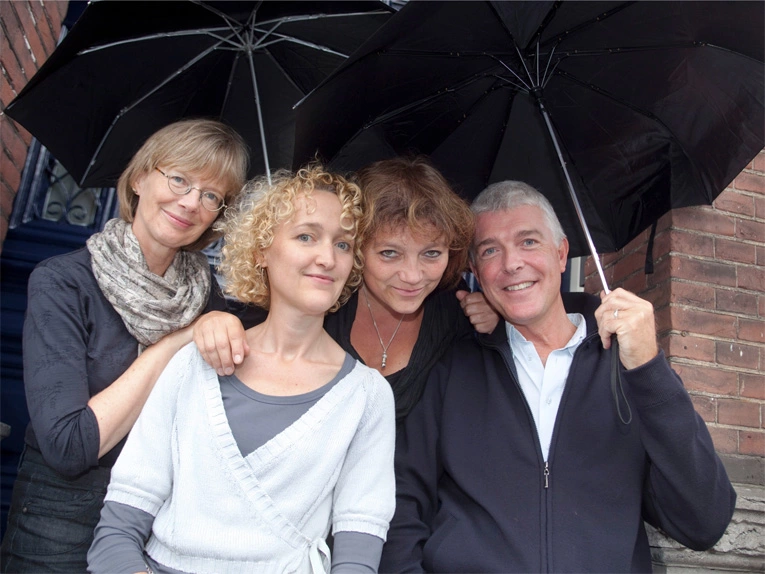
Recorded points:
217,511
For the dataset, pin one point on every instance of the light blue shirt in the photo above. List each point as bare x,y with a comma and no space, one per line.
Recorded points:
542,385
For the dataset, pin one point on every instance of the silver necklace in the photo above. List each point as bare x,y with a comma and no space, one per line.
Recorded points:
383,345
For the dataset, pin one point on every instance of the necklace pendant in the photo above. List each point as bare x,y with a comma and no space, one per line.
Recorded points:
384,359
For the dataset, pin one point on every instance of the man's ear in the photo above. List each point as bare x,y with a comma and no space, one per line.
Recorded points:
563,254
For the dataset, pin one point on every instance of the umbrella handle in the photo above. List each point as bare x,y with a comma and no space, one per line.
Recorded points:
617,387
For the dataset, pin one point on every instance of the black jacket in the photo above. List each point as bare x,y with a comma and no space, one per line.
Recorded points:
475,495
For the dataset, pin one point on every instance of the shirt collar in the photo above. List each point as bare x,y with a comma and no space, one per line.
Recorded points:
577,319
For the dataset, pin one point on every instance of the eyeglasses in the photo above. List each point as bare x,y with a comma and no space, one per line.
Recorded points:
210,200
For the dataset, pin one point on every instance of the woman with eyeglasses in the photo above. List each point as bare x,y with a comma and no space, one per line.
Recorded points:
102,322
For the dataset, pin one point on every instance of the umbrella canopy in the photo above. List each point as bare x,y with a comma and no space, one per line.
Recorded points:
639,106
129,68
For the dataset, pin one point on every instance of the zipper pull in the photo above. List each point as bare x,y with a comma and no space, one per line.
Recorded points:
547,475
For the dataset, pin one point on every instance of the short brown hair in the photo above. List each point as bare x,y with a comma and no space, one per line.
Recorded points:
410,191
250,226
207,148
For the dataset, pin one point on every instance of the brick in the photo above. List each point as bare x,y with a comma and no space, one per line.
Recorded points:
23,55
3,232
62,7
750,182
692,295
658,296
734,250
6,12
759,207
703,322
737,355
760,255
752,386
12,142
689,243
712,380
752,330
725,440
714,272
6,201
751,277
665,222
739,413
55,12
758,163
28,28
661,272
731,201
706,407
7,93
703,219
752,442
48,37
632,263
750,230
689,347
662,243
663,319
635,283
761,305
11,64
735,301
11,175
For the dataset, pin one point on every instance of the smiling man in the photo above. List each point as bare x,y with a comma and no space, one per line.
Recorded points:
517,458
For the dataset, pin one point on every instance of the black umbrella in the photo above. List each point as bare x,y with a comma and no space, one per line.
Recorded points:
130,68
646,106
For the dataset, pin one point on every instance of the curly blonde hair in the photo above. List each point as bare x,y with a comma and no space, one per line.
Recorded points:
249,228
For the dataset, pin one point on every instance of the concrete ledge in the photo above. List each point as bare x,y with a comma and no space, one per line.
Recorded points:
741,549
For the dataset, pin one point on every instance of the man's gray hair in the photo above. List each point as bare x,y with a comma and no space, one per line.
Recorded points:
510,194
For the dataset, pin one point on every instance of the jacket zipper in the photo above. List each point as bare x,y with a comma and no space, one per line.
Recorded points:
546,470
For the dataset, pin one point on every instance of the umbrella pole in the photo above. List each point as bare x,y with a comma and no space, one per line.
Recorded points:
537,92
617,387
260,117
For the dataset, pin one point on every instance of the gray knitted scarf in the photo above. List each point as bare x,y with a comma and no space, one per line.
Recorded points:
150,306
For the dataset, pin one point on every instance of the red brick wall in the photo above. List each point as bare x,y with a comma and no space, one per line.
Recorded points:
29,31
708,290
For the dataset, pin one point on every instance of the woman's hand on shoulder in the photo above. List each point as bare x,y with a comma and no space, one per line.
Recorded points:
483,317
221,340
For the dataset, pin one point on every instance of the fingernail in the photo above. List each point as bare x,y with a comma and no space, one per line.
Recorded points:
229,371
237,358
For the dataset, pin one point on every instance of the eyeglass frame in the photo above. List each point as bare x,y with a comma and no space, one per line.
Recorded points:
188,190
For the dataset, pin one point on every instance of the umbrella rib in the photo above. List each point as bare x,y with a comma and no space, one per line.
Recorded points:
233,25
526,86
229,83
560,37
286,38
126,109
305,17
200,31
421,101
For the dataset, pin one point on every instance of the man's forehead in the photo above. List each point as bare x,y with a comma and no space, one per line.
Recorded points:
514,222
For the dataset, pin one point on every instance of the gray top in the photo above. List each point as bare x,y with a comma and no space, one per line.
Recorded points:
128,528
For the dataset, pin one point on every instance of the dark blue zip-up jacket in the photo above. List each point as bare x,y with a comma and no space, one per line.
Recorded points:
475,495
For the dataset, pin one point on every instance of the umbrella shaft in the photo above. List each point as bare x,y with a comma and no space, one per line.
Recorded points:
538,95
